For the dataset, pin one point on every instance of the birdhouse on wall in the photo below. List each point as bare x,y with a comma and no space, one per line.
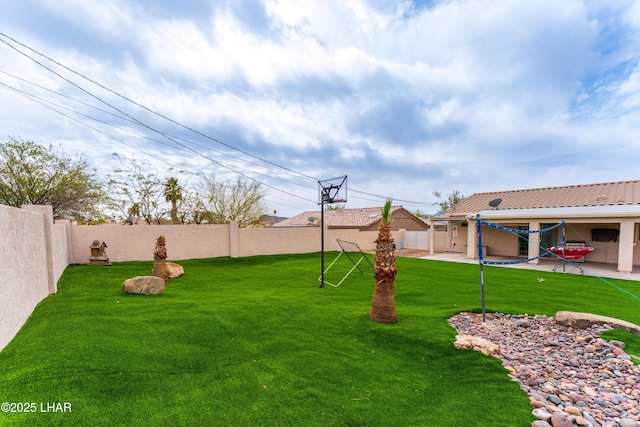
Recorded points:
98,253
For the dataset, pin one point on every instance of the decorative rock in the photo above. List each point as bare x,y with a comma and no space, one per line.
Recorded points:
572,410
540,423
586,320
143,285
574,361
618,344
174,270
626,422
582,421
554,399
589,419
617,351
482,345
560,420
541,414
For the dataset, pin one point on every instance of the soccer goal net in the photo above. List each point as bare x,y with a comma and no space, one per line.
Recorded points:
350,258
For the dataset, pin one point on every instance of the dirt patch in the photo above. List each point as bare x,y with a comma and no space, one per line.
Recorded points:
411,253
407,253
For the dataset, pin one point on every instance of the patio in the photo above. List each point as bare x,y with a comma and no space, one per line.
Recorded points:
545,264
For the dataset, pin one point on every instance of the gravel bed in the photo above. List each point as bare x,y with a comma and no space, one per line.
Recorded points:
572,376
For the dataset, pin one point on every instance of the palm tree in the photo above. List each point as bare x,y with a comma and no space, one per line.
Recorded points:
383,306
173,193
134,213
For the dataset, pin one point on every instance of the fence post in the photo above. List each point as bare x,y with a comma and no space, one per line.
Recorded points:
47,217
234,244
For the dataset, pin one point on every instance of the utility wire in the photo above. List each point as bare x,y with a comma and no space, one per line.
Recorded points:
43,100
142,123
44,103
136,103
133,122
166,135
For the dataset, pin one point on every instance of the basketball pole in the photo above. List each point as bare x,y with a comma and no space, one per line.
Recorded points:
322,238
328,194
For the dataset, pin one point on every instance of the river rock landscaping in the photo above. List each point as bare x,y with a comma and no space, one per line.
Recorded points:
573,377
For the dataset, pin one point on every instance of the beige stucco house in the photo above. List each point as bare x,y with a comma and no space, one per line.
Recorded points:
605,216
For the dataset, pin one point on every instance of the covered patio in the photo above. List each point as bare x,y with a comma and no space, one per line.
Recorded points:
520,223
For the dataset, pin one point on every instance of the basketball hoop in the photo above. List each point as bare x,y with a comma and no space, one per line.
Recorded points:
333,190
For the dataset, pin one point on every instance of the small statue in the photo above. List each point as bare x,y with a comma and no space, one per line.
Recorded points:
159,260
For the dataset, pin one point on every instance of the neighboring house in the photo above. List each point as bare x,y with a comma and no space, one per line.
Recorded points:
362,219
267,221
604,215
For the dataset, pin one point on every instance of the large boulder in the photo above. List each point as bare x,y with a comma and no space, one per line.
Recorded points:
585,320
470,342
143,285
174,270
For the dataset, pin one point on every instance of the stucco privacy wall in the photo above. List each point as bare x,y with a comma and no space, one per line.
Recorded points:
136,243
61,249
29,270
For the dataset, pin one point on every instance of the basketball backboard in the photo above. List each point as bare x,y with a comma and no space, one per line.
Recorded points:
332,190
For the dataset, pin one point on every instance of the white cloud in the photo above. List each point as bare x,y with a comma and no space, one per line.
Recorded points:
476,95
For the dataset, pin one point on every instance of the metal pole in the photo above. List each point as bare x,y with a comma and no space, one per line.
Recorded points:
322,238
479,231
564,243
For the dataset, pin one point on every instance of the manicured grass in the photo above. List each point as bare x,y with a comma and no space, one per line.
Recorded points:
254,341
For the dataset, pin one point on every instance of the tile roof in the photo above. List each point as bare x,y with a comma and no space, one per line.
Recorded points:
600,194
352,218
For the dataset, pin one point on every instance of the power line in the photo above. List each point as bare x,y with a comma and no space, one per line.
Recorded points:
168,136
142,123
136,103
133,122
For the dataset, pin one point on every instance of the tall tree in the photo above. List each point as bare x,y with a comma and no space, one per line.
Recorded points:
226,201
452,199
138,185
383,306
33,174
173,193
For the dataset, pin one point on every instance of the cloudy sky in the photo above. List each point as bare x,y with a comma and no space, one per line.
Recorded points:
404,97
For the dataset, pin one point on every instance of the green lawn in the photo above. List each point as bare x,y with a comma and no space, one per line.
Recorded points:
254,341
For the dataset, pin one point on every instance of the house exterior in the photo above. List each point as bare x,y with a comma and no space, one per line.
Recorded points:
362,219
605,216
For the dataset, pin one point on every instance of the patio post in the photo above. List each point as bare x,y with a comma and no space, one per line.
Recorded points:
625,246
534,243
472,239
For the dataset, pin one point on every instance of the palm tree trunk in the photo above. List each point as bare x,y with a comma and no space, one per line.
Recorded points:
174,211
159,260
383,307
